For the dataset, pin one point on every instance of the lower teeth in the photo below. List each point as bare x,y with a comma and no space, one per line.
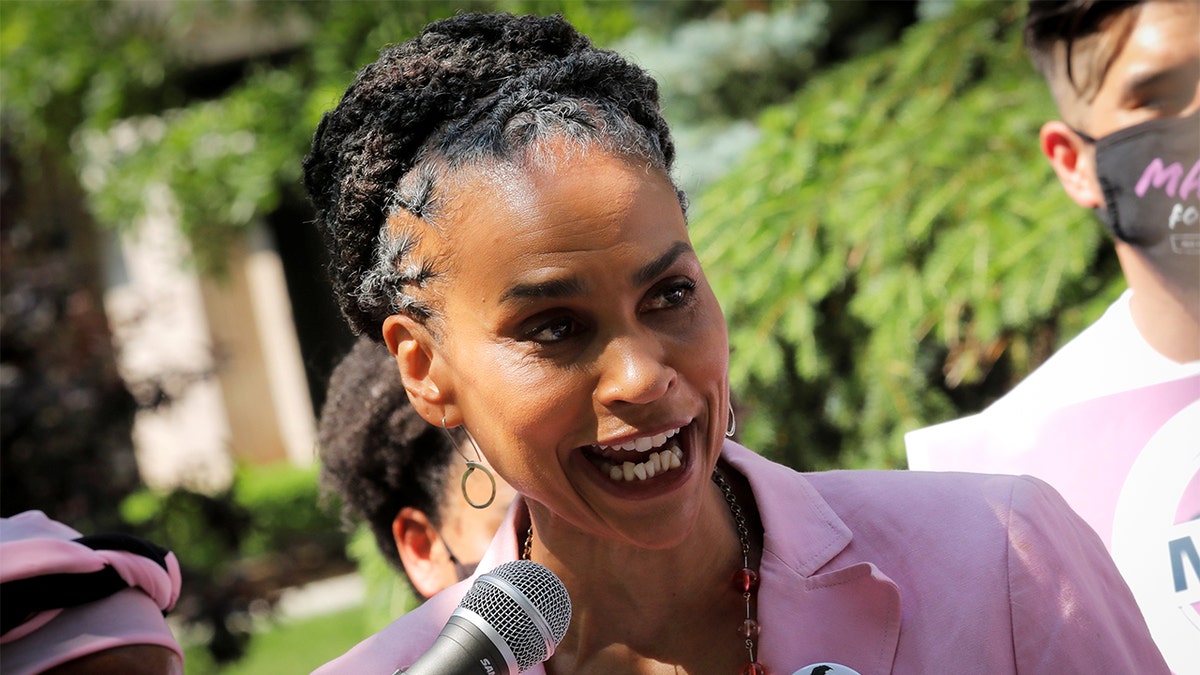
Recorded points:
656,463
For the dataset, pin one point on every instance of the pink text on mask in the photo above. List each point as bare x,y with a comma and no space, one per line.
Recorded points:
1158,175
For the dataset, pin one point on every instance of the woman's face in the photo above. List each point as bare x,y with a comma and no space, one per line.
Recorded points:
582,345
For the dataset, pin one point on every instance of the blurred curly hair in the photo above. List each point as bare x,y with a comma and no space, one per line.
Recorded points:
377,454
467,91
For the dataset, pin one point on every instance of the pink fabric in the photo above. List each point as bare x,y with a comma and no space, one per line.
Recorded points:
893,572
31,545
1085,450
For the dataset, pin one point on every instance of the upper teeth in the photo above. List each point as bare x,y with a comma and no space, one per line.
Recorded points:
644,444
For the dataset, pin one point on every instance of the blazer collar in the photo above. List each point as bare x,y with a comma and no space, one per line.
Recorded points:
799,527
814,607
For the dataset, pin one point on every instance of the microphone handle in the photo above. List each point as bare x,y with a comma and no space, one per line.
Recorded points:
460,649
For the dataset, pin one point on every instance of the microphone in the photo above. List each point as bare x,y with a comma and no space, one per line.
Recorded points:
511,619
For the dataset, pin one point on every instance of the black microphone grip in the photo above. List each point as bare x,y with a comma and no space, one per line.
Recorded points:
460,649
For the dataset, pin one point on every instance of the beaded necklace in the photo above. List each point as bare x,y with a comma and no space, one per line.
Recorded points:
745,580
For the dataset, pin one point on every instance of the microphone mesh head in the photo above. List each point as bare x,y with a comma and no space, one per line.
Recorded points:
542,589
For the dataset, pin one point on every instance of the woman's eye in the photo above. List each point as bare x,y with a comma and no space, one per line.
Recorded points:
672,294
554,330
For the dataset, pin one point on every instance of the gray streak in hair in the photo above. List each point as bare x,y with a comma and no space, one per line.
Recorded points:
518,140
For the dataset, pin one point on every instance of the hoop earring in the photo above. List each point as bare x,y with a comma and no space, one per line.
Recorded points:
472,467
731,427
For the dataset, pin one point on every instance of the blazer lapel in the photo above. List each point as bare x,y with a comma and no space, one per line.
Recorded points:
850,616
811,609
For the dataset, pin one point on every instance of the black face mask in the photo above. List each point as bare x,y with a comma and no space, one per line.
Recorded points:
1150,176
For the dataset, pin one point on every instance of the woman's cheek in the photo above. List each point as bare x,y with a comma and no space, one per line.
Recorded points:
524,398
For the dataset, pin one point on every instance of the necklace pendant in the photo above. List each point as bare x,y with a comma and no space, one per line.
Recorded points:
746,579
754,668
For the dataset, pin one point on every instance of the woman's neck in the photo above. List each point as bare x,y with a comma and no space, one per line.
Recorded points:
640,610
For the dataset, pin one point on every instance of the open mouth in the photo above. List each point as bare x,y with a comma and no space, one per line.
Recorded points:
639,459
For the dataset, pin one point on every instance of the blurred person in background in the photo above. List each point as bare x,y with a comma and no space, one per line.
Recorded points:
90,605
403,476
1112,419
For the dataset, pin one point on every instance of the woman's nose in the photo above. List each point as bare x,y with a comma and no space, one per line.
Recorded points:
633,370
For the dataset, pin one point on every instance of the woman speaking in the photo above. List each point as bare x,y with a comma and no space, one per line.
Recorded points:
497,198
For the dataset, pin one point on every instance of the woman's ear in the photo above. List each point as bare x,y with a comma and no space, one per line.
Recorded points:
420,364
427,568
1074,162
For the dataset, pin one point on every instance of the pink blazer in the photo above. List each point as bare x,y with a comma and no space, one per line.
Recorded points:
893,572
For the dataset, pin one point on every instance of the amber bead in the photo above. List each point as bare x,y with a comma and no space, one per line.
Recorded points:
754,668
746,579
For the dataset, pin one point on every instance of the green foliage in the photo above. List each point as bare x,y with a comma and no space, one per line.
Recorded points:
67,64
267,509
285,506
715,75
204,531
228,162
111,79
601,20
721,69
236,547
288,647
225,162
895,251
712,71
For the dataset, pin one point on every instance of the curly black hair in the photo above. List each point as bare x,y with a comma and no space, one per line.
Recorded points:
467,90
377,454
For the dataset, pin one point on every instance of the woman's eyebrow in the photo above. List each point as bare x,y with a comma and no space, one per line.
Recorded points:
574,286
553,288
660,264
